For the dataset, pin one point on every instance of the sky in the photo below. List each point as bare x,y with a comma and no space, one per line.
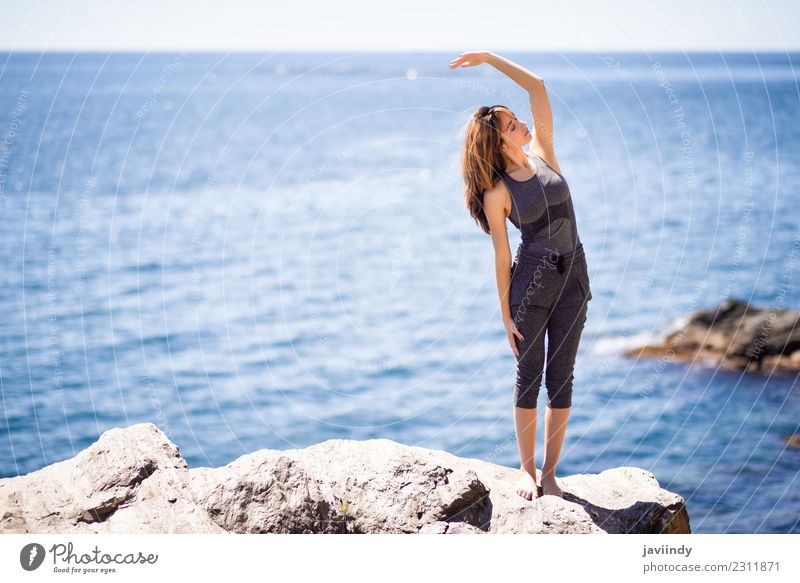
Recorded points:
410,25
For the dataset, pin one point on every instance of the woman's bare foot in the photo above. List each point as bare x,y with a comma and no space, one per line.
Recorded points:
549,486
526,486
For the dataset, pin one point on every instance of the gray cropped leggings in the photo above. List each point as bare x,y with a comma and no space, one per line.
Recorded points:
564,325
548,295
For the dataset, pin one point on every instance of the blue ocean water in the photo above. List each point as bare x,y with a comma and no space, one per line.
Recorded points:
270,250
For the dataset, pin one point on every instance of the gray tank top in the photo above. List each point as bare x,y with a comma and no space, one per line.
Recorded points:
541,208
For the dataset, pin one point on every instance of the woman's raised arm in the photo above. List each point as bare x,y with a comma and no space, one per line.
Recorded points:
540,103
531,82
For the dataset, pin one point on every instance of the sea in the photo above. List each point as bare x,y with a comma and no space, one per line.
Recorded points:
270,250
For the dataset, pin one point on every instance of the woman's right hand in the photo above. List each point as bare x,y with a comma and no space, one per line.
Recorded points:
469,59
512,333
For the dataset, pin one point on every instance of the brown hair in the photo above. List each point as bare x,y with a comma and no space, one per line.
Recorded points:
482,159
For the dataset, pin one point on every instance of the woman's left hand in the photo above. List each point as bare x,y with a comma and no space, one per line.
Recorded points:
469,59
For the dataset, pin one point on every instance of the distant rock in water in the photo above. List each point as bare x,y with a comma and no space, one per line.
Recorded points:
134,480
734,336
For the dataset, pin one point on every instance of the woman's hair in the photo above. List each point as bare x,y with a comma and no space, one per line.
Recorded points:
482,159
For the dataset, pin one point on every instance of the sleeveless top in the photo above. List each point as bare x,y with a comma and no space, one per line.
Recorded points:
541,208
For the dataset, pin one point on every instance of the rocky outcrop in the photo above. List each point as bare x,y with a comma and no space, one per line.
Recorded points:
134,480
733,336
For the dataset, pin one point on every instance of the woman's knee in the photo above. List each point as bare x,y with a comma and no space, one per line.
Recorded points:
559,388
526,397
528,383
561,400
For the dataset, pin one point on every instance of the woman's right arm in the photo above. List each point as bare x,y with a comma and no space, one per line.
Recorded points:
494,203
542,143
526,79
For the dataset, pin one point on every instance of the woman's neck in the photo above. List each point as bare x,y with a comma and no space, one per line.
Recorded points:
519,159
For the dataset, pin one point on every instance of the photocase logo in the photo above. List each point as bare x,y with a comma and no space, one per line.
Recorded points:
31,556
65,560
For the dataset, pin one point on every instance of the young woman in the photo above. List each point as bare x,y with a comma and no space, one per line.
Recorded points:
546,289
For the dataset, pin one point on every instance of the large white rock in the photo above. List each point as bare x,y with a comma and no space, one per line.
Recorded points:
134,480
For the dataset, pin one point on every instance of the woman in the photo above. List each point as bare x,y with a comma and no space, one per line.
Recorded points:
546,289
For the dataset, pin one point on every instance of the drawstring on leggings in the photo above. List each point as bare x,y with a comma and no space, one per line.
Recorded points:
560,264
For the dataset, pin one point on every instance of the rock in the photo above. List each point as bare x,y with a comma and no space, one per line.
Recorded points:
133,480
121,483
733,336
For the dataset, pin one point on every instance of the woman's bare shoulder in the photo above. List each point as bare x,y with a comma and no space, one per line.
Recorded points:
498,197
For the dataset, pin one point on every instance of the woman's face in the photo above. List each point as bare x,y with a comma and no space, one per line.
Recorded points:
515,132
